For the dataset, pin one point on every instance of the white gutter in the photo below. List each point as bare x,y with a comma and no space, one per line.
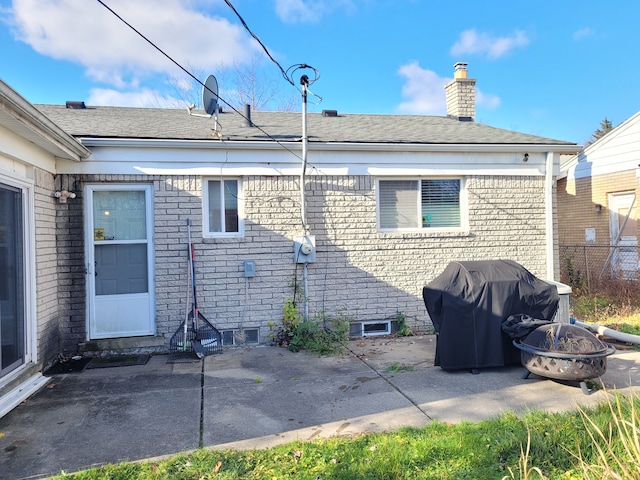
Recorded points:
548,207
28,118
229,144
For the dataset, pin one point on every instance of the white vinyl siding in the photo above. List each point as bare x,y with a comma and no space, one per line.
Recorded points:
419,204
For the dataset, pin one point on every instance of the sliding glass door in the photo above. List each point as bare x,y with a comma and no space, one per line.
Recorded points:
12,279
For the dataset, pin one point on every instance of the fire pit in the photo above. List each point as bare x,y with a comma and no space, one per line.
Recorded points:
564,352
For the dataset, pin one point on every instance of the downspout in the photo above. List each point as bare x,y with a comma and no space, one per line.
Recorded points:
608,332
548,205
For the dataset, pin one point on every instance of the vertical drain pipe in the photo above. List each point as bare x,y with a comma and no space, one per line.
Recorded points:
548,194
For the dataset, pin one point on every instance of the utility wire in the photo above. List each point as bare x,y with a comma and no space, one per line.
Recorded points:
244,24
195,78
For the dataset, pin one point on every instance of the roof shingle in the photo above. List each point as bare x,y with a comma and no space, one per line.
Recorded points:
161,123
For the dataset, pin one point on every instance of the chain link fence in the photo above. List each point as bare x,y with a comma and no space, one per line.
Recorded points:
592,269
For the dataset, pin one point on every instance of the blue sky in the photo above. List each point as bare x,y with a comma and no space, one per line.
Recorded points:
554,69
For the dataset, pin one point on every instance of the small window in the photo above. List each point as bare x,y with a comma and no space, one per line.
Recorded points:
223,216
419,204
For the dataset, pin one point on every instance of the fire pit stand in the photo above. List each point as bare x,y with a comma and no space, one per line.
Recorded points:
564,352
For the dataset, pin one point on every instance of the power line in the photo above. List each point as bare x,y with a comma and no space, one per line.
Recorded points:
194,77
244,24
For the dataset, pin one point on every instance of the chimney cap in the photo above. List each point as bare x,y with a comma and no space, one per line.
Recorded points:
329,113
460,70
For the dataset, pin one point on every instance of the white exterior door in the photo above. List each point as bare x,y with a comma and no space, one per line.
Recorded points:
119,252
624,234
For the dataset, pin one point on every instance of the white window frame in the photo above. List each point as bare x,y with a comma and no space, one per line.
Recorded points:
205,208
464,218
30,309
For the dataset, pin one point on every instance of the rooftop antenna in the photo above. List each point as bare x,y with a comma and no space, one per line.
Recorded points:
304,245
209,100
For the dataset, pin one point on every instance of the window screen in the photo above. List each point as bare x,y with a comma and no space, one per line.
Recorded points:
223,206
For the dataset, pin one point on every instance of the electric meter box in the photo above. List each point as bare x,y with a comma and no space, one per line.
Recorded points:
249,268
304,249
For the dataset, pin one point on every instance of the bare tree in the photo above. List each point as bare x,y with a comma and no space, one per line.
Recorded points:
241,84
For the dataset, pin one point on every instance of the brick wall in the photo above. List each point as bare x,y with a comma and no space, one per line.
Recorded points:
460,97
360,272
577,199
47,272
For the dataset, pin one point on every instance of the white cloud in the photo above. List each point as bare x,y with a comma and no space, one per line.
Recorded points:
582,33
472,42
309,11
86,33
487,100
423,92
141,98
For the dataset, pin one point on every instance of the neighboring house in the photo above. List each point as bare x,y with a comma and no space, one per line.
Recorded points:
34,285
389,201
597,205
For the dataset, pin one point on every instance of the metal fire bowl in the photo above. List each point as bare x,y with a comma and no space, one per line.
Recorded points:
563,365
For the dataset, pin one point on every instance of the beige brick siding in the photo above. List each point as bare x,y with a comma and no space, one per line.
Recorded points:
577,199
363,273
47,268
460,97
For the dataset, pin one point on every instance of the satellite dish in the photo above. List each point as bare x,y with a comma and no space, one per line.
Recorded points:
210,95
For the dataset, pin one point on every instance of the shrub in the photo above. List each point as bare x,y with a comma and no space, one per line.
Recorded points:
323,334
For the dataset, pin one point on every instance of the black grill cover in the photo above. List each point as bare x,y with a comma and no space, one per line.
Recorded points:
469,301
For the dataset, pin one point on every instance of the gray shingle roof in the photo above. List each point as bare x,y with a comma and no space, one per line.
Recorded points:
159,123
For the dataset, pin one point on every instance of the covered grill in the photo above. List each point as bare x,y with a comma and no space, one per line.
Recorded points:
469,301
564,352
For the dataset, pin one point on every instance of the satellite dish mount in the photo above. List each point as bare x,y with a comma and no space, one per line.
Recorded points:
209,100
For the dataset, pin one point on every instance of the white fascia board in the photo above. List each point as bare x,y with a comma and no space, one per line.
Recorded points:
242,158
294,146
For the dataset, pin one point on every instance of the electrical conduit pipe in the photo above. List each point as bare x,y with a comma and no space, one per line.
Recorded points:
608,332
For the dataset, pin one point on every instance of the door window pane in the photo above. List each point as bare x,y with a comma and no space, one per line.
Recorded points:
121,269
119,215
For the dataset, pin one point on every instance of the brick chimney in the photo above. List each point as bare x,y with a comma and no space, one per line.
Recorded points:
461,95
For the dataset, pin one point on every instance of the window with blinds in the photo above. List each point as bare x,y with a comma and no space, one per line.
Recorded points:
411,204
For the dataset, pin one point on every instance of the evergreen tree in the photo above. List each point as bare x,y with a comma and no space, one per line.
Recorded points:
605,127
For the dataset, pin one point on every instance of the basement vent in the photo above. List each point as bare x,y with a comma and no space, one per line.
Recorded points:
370,329
251,335
329,113
75,105
228,337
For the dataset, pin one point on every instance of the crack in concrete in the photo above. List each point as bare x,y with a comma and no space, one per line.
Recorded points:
389,382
